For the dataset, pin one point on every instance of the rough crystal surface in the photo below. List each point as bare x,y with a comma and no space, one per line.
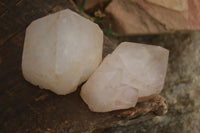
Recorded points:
133,72
61,51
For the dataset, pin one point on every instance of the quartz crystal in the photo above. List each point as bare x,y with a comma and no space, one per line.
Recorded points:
61,51
132,73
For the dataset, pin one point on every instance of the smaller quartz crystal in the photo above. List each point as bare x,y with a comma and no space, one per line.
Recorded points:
133,72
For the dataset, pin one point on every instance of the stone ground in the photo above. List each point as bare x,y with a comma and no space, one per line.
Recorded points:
182,86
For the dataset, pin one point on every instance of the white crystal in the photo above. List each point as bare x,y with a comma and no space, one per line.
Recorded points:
133,72
61,51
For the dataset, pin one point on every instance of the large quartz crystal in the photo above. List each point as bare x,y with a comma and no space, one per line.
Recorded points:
61,51
133,72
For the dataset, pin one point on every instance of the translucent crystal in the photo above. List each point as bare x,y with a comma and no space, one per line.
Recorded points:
61,51
132,73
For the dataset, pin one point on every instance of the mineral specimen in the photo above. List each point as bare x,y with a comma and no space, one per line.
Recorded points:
132,73
61,51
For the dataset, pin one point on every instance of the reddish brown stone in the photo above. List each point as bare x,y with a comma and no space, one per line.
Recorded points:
178,5
152,16
171,19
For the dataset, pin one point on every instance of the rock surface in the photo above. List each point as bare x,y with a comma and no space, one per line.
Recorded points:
182,86
152,16
178,5
132,73
61,51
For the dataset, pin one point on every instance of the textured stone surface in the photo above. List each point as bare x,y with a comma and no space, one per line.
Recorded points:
182,86
178,5
61,51
152,16
132,73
